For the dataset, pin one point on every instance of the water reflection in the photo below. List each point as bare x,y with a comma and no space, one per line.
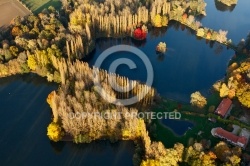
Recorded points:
160,57
27,78
157,32
57,146
138,43
24,118
222,7
235,21
190,63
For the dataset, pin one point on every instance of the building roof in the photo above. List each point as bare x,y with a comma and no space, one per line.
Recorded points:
224,107
230,136
242,140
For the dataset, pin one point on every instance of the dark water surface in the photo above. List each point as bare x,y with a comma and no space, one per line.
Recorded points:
189,65
234,19
179,127
24,118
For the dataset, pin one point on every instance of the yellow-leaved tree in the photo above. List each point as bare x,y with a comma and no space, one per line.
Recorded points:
231,93
54,132
157,22
243,94
126,134
233,160
198,100
32,63
150,162
164,21
200,32
208,159
224,90
49,98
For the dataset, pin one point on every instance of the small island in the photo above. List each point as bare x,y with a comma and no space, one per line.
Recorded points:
161,47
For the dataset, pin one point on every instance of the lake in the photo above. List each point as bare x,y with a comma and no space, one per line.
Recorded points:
190,64
24,118
178,127
233,19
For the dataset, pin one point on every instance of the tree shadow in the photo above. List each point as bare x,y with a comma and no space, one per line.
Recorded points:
55,3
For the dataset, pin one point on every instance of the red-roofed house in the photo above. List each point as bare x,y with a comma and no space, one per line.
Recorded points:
224,108
240,141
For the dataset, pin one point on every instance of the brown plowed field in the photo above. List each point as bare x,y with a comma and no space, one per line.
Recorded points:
10,9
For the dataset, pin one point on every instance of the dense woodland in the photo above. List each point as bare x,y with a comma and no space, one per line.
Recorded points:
51,43
237,84
28,43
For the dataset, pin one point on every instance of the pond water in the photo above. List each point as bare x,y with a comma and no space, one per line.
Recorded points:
24,118
189,65
178,127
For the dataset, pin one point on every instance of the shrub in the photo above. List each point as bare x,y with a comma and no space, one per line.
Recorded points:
8,55
211,108
54,132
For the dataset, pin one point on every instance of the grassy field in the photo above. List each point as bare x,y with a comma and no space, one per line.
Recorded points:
201,123
198,117
37,6
11,9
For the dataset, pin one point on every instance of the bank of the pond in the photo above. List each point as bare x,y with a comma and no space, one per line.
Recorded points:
201,131
177,126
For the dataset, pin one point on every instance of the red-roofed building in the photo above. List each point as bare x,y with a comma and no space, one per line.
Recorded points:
240,141
224,108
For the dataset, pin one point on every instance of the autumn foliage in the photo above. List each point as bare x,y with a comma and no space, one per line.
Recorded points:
16,31
54,132
140,33
237,84
49,98
209,34
198,100
157,22
184,17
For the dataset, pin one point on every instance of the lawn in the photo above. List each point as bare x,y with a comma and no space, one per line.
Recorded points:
199,117
37,6
201,124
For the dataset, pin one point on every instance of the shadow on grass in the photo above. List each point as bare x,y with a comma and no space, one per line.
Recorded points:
201,125
55,3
